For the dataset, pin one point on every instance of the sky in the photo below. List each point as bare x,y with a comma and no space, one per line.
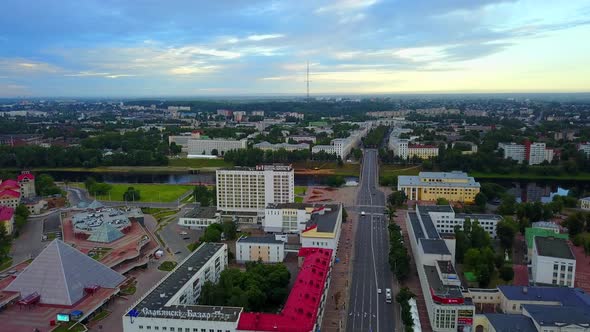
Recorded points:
154,48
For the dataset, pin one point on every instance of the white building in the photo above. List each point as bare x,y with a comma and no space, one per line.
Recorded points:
243,189
585,203
301,138
533,153
584,147
171,305
539,153
444,219
287,217
343,146
553,262
513,151
275,147
200,146
200,217
329,149
323,228
267,249
448,310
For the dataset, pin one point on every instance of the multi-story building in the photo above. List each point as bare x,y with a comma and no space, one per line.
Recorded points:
553,262
342,146
9,197
301,138
173,303
26,183
287,217
278,146
428,186
584,147
405,149
205,146
323,228
200,217
532,153
266,249
448,310
444,218
250,190
585,203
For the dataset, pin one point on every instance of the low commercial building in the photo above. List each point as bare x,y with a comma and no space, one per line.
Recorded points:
35,205
172,304
288,217
323,228
585,203
514,298
267,249
249,190
448,310
553,262
286,146
444,218
429,186
200,217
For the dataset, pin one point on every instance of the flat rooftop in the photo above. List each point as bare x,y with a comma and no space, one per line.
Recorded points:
260,239
207,212
413,180
326,222
416,226
483,216
434,246
441,290
553,247
153,304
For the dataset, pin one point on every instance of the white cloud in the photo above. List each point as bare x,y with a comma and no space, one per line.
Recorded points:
264,37
20,66
345,5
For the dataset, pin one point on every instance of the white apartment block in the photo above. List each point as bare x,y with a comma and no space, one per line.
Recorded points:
267,249
286,217
252,189
553,262
585,203
533,153
422,151
329,149
206,146
286,146
399,146
342,146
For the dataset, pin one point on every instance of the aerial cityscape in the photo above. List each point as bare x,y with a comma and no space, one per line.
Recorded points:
263,166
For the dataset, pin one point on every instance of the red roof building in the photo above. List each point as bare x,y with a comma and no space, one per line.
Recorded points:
6,213
23,176
9,193
9,184
303,304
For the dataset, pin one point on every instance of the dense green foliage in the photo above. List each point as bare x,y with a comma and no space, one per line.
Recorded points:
212,233
45,186
131,195
375,137
21,214
204,195
262,287
397,198
399,260
403,298
334,180
97,188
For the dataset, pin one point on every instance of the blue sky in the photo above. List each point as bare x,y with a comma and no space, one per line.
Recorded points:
232,47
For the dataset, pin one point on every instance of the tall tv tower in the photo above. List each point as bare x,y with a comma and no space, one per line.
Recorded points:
307,80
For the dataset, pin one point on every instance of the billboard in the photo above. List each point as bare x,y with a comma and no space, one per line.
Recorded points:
63,317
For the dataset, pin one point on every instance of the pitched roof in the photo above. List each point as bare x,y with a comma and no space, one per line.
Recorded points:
9,184
60,273
6,213
105,233
23,176
9,192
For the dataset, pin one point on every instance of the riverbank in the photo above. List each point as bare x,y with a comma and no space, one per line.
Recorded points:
530,177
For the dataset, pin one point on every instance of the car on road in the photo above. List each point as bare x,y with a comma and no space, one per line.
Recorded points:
362,213
183,233
186,238
388,295
378,290
177,252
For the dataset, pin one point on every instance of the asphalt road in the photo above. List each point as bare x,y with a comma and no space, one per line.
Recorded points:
367,309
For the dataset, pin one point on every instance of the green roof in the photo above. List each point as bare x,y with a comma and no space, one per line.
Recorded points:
470,276
531,232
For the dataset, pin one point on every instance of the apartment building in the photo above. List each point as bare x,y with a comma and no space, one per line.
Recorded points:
532,153
278,146
428,186
205,146
250,190
444,219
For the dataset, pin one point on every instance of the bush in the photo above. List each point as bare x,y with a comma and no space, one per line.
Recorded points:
506,273
167,266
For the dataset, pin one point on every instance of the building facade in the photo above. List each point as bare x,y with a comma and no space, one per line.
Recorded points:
323,228
252,189
532,153
429,186
286,146
200,217
287,217
444,219
553,262
26,183
202,146
585,148
585,203
266,249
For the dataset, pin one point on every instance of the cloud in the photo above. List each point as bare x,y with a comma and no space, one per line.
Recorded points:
345,5
264,37
21,66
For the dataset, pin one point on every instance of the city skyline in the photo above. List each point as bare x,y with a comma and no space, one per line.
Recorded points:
183,48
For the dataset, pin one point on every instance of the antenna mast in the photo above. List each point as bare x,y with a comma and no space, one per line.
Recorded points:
307,80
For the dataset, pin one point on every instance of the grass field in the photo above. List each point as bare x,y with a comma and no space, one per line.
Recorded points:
198,163
300,190
149,192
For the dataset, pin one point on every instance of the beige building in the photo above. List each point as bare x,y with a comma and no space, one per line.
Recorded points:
267,249
244,189
585,203
429,186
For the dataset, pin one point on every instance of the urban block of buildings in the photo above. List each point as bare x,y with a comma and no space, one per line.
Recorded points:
531,153
405,149
343,146
429,186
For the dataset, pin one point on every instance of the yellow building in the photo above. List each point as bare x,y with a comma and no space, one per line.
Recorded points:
422,151
429,186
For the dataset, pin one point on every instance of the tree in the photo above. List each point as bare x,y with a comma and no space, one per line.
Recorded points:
506,273
442,201
214,152
229,230
45,185
397,198
481,200
508,205
131,195
21,215
212,233
506,230
575,224
335,181
204,195
175,148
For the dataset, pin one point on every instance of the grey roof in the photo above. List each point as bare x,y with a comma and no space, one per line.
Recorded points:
105,233
446,267
435,246
424,213
60,273
412,180
478,216
207,212
416,226
511,323
437,286
326,222
436,208
155,300
561,316
260,239
553,247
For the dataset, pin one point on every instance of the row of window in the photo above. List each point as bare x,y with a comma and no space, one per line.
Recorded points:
179,329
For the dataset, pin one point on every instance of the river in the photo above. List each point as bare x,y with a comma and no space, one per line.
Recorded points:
538,190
